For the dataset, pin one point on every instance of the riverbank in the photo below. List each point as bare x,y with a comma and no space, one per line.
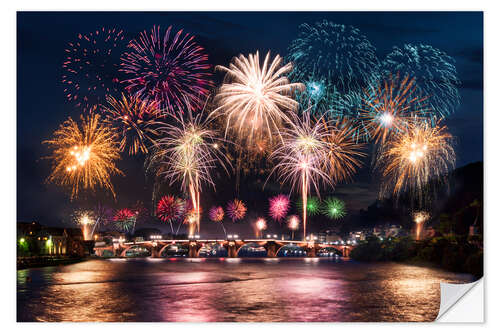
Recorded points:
454,254
34,262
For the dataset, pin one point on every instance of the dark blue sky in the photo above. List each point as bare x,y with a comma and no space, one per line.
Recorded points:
41,106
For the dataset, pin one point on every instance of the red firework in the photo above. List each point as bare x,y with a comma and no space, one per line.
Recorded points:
170,68
123,214
278,207
125,219
169,208
216,214
236,210
90,68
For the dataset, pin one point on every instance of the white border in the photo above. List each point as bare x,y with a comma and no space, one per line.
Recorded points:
8,140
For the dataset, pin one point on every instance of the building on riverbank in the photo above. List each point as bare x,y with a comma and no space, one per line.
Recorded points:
34,239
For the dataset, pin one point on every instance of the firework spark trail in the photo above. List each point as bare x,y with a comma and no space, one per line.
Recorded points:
83,156
389,106
301,157
420,218
135,119
90,68
414,158
260,225
254,99
434,72
171,69
102,216
84,219
188,152
293,224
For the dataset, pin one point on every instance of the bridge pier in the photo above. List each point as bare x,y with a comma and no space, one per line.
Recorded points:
193,250
271,249
311,250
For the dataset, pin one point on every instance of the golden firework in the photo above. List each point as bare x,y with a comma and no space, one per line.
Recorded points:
254,99
83,157
345,152
188,152
414,158
389,106
135,120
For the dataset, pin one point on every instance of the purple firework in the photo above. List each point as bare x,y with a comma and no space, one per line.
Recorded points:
170,68
91,67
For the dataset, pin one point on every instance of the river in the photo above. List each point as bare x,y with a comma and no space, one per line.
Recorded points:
247,290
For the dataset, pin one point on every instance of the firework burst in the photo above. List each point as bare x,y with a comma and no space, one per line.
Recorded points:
84,156
333,208
169,209
344,153
170,68
135,119
434,72
254,99
414,158
278,206
301,156
85,220
125,220
312,206
216,214
188,152
236,210
389,106
90,68
333,60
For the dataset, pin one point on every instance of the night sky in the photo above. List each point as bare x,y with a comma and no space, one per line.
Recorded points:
41,105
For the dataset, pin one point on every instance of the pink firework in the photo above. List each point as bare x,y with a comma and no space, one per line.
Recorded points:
90,68
278,206
236,210
216,214
170,68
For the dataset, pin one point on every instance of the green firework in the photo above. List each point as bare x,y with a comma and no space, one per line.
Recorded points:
312,206
333,208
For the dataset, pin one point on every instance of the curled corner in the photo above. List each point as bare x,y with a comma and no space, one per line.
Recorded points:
457,306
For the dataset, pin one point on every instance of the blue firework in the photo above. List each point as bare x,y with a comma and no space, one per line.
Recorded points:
333,61
434,71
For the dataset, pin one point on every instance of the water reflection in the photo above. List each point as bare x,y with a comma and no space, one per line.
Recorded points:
230,289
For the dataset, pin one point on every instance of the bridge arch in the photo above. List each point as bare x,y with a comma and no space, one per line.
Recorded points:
286,247
212,249
141,250
180,248
252,245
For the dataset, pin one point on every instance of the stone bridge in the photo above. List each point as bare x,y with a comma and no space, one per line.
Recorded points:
272,246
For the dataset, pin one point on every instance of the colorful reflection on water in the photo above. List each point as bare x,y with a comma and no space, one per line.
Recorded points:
291,289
